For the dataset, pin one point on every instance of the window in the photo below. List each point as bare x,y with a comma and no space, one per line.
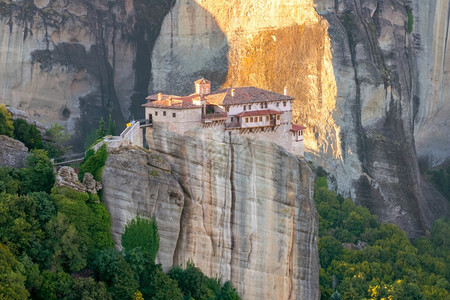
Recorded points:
278,104
251,119
156,113
301,132
260,119
164,113
262,105
267,118
232,119
245,107
278,117
265,105
284,103
249,107
246,120
174,115
227,108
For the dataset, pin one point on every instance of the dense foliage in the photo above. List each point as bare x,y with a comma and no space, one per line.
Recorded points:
363,259
94,162
441,180
28,134
6,124
142,233
31,137
55,243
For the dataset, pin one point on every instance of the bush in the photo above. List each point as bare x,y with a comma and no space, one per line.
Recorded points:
142,233
6,124
94,163
27,134
38,175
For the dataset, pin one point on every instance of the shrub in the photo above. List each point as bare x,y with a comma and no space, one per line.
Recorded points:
142,233
94,163
6,124
27,134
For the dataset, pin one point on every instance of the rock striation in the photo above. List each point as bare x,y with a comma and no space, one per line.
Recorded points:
229,204
351,65
13,153
72,62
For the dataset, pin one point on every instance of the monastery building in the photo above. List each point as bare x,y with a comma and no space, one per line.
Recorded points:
249,111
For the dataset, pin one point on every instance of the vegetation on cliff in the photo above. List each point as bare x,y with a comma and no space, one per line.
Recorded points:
55,243
363,259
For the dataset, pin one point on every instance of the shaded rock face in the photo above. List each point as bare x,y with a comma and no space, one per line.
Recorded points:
375,73
74,61
227,203
431,44
351,67
13,153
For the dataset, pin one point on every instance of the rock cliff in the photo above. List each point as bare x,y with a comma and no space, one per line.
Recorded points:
13,153
352,68
74,61
240,209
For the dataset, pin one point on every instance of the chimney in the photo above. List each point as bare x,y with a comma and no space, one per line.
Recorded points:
160,96
170,101
233,92
285,90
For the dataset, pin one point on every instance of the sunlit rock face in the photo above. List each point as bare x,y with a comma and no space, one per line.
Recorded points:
350,65
432,125
227,203
72,62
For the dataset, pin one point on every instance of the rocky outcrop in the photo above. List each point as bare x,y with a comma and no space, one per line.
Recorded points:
67,177
13,153
74,61
352,70
431,43
240,209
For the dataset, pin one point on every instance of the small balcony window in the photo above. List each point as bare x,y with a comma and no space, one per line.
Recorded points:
164,113
260,119
246,120
265,105
174,115
251,119
232,119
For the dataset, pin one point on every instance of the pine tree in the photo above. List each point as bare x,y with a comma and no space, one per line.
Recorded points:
101,131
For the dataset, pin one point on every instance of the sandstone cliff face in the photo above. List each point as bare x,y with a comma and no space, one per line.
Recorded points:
13,153
432,125
229,204
74,61
351,69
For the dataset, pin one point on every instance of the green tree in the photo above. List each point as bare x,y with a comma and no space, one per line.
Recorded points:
6,124
101,131
94,163
111,267
12,280
27,134
38,175
193,283
111,126
142,233
69,252
58,137
88,288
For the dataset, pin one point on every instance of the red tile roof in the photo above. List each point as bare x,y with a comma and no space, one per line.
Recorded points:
252,113
202,80
243,95
296,127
